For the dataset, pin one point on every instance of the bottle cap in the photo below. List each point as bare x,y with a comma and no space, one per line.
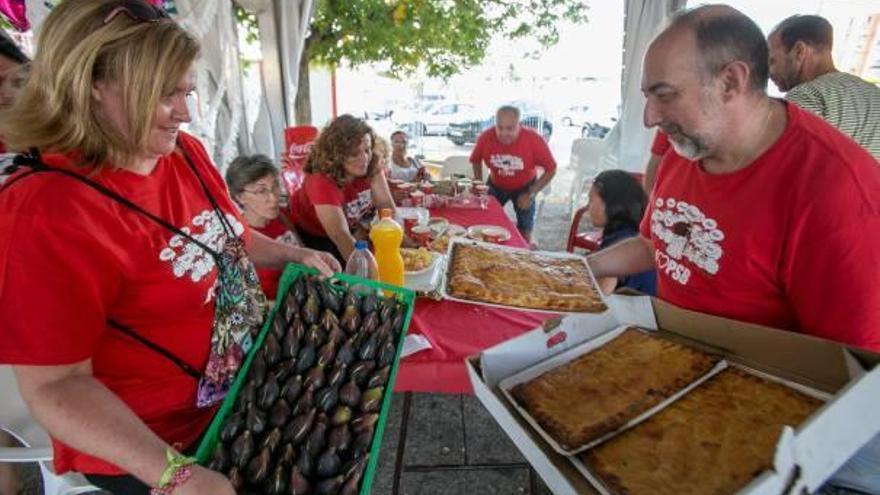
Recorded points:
361,244
386,213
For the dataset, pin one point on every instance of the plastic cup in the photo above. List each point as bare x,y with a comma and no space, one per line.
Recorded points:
421,234
394,183
409,222
427,188
417,197
481,189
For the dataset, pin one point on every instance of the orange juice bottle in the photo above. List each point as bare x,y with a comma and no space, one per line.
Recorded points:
387,235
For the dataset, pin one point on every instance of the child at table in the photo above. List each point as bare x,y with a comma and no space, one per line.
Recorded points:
617,203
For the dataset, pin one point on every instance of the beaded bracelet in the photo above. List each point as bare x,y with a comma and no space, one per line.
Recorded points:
177,472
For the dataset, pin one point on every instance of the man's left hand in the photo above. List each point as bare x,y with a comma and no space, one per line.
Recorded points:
524,201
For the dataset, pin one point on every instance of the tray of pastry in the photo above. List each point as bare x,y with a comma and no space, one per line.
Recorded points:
503,276
587,394
717,438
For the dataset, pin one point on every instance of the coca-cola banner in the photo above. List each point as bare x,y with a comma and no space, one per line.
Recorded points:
298,141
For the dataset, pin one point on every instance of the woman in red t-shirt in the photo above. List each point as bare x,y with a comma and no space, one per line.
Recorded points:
115,240
344,187
254,184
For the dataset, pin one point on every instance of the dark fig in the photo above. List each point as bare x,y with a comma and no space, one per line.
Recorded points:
279,326
351,319
277,484
386,354
232,427
368,349
328,464
370,322
384,330
369,303
258,468
345,355
330,486
299,485
298,289
337,374
351,299
336,335
280,413
299,427
312,287
220,461
311,311
290,345
291,308
326,354
317,438
304,462
353,476
360,371
297,328
247,395
305,359
271,440
339,438
284,369
326,399
371,400
271,350
361,445
397,322
386,309
288,455
235,478
379,378
292,388
329,297
315,378
305,402
329,319
268,393
242,449
364,423
350,394
257,371
341,416
255,420
355,468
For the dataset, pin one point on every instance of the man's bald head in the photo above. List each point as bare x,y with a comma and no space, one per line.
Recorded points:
723,35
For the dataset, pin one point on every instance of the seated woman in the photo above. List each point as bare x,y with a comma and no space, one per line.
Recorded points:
254,185
343,188
403,167
617,203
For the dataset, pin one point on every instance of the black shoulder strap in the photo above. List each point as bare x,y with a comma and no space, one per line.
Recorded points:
189,370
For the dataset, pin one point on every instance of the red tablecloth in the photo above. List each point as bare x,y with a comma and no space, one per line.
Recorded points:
457,330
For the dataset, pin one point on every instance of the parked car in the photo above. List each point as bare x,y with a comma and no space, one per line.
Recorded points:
576,115
468,129
433,119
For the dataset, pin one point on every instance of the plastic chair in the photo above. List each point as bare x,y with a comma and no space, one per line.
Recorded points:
587,160
457,165
14,412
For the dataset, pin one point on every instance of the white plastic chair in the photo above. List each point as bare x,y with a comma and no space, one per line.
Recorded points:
457,164
589,156
17,422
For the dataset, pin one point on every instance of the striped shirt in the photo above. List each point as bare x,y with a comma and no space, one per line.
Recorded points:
847,102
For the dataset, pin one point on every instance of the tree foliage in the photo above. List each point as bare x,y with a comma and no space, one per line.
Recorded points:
440,37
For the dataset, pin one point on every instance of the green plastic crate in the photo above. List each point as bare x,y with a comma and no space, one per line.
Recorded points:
291,273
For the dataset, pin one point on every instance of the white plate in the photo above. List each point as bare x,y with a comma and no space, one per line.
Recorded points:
476,232
434,257
456,230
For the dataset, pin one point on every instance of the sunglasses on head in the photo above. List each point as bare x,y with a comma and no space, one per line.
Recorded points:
137,10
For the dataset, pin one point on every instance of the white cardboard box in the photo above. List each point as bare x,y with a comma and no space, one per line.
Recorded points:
805,457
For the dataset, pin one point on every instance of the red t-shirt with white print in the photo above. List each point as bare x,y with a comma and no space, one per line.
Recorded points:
512,166
355,198
72,258
791,241
279,231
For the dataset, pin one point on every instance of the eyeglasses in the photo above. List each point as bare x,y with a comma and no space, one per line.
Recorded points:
265,191
137,10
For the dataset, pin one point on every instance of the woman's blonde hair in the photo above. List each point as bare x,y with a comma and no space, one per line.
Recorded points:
76,48
337,141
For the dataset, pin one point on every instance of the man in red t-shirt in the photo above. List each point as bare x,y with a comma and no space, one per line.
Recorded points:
764,213
513,154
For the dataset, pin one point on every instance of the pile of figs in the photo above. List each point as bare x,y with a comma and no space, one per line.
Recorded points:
304,420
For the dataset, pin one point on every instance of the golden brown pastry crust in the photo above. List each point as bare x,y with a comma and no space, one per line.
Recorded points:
522,279
715,439
603,390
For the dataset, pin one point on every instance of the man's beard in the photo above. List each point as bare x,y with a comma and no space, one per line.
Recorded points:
691,147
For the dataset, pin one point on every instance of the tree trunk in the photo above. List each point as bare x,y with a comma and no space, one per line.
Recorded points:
302,104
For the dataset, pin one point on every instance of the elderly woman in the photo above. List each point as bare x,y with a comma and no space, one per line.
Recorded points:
117,241
254,185
344,187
